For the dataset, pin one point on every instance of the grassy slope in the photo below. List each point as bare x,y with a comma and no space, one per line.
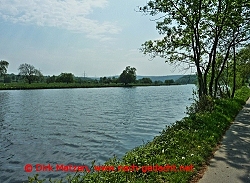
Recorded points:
188,142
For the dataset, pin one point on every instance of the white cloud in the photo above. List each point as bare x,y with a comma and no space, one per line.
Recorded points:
65,14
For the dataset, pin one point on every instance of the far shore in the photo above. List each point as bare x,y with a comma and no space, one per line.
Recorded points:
26,86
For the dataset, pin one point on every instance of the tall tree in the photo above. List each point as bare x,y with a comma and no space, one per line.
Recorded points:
128,75
195,31
51,79
29,72
237,70
65,78
3,67
243,68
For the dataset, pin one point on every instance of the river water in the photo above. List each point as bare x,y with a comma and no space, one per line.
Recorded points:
77,126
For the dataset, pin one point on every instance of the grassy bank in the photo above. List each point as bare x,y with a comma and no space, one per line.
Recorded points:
26,86
188,143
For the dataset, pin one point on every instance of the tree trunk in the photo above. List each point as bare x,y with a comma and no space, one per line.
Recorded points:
234,72
200,83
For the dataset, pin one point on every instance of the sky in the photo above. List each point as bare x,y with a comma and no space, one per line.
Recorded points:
95,37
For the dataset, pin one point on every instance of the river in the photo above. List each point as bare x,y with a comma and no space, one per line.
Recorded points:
77,126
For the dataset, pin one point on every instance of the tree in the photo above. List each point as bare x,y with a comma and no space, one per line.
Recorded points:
236,72
65,78
168,82
243,58
145,81
158,82
29,72
51,79
7,79
105,80
128,75
194,32
3,67
187,79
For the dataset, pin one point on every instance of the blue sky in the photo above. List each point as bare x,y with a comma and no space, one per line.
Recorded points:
100,37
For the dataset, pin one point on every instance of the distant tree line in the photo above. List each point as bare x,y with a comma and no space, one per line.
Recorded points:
28,73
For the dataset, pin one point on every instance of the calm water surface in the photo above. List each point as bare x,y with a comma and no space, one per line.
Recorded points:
77,126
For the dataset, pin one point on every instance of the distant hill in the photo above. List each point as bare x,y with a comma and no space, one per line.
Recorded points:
187,79
161,78
182,79
153,78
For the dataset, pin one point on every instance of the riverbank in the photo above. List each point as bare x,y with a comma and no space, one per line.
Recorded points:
231,161
32,86
178,153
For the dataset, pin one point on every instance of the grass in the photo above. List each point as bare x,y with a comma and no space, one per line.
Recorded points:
189,141
25,86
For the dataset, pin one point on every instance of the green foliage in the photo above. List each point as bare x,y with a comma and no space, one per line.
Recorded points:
20,85
229,77
51,79
84,84
242,95
243,65
169,82
3,67
106,80
65,78
145,81
128,75
30,73
158,82
187,142
195,32
7,79
204,104
187,79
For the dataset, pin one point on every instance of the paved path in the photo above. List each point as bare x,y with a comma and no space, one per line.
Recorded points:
231,163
